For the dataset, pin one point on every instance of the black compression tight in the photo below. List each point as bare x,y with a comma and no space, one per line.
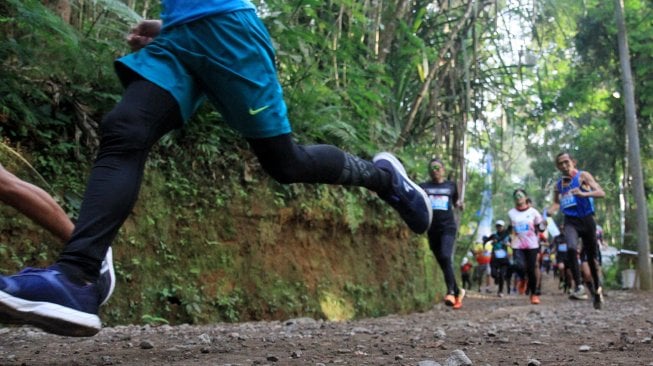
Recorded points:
442,246
146,113
528,263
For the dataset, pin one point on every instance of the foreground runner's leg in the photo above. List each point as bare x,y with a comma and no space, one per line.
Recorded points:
289,162
64,298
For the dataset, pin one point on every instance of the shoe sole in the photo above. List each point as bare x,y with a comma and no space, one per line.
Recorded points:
50,317
398,166
107,266
572,297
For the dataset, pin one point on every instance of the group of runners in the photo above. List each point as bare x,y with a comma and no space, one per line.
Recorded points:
517,253
220,50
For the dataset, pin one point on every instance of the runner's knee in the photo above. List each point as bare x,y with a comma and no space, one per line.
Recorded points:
122,129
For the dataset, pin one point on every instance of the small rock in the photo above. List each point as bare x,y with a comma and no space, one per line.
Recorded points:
399,357
533,362
296,354
439,334
146,345
428,363
272,358
458,358
205,338
584,348
361,330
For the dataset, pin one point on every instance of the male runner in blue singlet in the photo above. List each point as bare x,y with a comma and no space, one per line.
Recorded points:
574,193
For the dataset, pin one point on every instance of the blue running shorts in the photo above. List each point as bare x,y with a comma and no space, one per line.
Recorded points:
227,58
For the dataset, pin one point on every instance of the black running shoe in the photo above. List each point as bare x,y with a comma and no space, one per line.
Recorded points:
406,197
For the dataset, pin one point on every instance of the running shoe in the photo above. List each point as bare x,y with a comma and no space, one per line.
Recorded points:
521,286
107,280
46,299
449,300
459,299
406,197
535,299
598,298
578,294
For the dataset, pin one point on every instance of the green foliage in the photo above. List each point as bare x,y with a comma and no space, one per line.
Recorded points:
354,212
56,80
154,320
612,277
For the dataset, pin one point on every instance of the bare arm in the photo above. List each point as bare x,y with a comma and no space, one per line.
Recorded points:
459,204
595,188
36,204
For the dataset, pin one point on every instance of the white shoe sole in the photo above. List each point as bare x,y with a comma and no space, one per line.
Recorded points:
107,266
50,317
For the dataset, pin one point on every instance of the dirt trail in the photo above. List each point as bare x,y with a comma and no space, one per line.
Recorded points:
487,331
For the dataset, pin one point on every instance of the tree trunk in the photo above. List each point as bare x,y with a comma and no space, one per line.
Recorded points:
644,262
391,24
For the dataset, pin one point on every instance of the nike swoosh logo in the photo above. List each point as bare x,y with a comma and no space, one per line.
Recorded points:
254,112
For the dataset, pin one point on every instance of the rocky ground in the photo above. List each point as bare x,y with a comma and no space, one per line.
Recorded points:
487,331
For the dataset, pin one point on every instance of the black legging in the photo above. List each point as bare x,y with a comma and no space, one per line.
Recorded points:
146,113
526,260
500,273
585,229
442,244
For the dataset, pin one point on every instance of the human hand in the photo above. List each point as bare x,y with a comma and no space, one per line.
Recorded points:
143,33
578,192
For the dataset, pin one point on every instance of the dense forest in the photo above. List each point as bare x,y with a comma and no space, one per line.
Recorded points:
517,80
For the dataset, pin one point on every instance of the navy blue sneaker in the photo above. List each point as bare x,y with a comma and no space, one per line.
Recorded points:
107,281
46,299
407,198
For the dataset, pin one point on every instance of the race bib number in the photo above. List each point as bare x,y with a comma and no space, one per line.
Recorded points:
440,203
562,247
521,227
567,200
500,253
